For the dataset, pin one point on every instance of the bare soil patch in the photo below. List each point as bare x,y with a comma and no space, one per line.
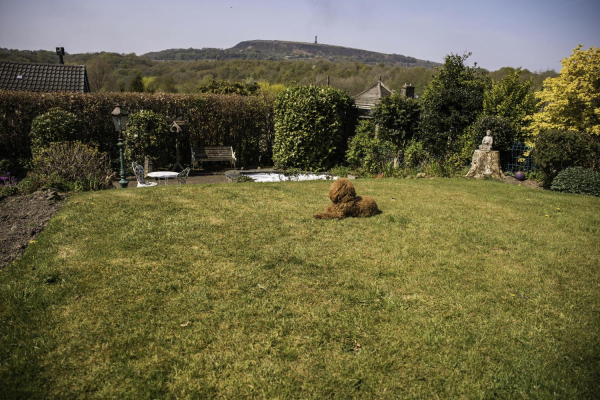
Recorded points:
22,218
527,183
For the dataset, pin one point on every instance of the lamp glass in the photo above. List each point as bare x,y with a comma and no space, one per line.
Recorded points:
119,118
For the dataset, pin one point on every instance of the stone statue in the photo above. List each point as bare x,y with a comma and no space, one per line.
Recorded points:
486,143
486,162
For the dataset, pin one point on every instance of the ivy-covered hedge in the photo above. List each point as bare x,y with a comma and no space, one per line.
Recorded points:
312,125
244,122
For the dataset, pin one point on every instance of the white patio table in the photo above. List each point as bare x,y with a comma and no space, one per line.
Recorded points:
163,175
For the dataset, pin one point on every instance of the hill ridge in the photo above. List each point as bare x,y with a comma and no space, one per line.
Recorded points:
264,49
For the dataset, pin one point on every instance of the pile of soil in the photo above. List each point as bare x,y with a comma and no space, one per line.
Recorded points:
527,183
22,218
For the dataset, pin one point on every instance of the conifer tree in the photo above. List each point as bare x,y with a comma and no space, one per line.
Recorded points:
137,85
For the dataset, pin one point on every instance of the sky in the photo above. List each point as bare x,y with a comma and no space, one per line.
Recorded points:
532,34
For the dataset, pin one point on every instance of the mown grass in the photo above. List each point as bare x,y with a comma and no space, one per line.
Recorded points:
460,288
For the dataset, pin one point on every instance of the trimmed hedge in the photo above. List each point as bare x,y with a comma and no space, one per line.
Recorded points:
312,125
244,122
577,180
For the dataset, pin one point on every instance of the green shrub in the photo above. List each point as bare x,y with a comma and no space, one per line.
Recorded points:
442,167
414,154
398,119
311,127
556,150
341,171
56,125
71,166
27,186
464,145
577,180
148,135
222,87
503,132
244,178
368,153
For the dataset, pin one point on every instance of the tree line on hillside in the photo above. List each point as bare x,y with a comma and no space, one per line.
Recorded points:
117,72
281,50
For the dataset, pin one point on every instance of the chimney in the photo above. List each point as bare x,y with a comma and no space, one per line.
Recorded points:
408,91
61,52
315,40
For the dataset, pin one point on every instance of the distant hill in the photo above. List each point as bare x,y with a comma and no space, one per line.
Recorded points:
283,50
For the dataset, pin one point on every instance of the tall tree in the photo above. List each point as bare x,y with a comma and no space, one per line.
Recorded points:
571,101
507,108
511,98
137,84
100,76
451,103
397,118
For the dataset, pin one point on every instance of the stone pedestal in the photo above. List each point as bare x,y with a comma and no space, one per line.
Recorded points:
485,164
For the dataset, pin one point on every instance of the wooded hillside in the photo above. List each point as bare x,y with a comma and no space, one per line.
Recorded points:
116,72
284,50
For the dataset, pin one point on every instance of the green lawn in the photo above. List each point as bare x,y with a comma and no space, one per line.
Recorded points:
460,288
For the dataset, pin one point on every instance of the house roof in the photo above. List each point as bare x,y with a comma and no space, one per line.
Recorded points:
43,77
368,98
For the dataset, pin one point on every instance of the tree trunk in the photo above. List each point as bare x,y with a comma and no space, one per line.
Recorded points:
485,164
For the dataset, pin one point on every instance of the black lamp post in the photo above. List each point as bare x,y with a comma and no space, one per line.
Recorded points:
120,120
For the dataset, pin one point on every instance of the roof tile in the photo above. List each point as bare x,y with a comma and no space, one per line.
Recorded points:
43,77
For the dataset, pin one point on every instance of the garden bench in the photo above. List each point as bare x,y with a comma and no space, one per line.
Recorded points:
213,153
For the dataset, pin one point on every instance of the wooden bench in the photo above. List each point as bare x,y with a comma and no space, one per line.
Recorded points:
213,153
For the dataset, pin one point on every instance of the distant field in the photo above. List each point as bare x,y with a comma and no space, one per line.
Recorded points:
460,288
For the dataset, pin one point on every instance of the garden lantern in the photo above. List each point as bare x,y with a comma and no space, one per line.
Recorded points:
119,116
177,127
120,120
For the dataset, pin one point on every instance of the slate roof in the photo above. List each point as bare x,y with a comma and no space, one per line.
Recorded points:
368,98
43,77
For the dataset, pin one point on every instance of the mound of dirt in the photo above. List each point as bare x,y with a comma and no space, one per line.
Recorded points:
22,218
527,183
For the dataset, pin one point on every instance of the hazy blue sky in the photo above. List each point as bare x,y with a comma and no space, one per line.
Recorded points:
534,34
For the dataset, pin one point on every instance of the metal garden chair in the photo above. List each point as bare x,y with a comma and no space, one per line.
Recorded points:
182,176
139,175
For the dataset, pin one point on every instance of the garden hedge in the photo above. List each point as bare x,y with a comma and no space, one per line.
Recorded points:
312,126
244,122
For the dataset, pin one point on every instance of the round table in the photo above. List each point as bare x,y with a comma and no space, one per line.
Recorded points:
163,175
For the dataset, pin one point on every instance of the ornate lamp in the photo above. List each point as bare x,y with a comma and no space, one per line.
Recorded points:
119,116
178,127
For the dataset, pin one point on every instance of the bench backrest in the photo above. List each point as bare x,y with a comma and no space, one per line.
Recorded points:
217,153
